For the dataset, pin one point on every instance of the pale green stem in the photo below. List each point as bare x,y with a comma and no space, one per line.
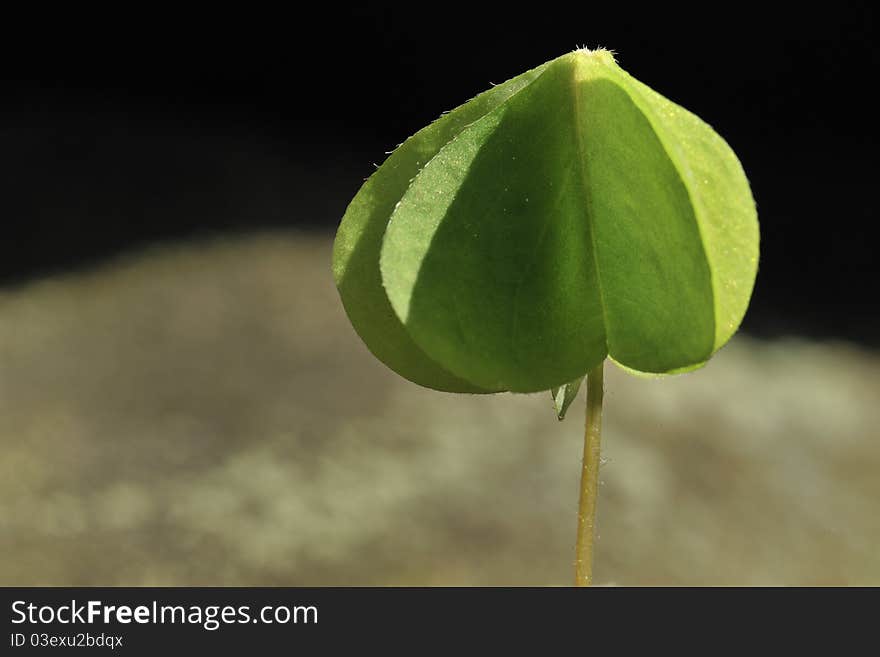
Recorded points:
589,478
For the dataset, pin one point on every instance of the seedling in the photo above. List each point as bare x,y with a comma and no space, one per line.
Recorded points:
569,215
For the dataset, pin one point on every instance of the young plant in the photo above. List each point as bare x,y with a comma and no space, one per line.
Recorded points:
569,215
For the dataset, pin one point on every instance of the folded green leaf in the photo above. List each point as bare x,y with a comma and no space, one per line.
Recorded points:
564,396
568,215
359,240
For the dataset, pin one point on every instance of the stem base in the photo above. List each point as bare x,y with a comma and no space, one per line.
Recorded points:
589,478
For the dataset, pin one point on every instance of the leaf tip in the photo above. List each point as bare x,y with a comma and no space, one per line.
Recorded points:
605,55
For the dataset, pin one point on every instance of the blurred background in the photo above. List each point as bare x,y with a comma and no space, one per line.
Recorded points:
183,401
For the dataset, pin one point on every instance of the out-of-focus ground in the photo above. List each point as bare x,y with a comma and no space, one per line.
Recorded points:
204,414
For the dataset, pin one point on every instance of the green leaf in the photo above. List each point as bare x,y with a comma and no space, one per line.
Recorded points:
564,396
359,239
575,215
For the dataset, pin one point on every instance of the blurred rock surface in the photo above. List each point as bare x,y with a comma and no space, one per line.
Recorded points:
204,414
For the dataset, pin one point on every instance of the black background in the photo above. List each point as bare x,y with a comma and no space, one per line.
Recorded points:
116,131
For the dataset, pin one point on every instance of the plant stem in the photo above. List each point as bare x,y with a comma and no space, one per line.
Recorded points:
583,574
